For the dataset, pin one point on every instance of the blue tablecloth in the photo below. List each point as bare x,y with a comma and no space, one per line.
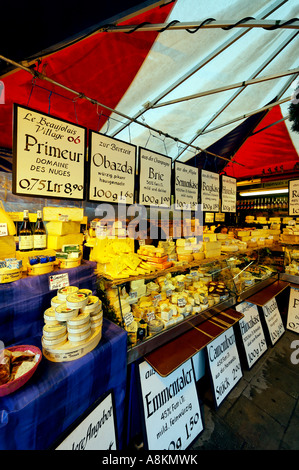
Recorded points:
23,302
33,417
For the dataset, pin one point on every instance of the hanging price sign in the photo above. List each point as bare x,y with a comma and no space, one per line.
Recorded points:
48,156
273,320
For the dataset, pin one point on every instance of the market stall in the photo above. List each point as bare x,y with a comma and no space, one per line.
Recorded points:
141,239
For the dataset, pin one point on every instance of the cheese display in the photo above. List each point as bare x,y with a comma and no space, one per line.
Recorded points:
73,324
292,260
10,270
165,299
74,214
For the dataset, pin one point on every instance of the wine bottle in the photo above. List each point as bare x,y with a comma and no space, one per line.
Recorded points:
40,234
25,234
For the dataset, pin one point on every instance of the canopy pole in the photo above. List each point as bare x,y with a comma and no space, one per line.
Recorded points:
238,35
39,75
238,92
228,87
208,23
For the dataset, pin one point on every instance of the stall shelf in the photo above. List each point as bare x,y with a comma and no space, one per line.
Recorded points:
34,416
291,263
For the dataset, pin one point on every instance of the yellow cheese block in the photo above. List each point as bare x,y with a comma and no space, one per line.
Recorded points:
56,242
55,213
213,253
212,246
7,247
62,228
6,219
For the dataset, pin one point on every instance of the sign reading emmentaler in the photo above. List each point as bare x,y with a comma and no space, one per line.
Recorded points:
228,194
111,169
171,407
186,186
48,154
154,178
209,191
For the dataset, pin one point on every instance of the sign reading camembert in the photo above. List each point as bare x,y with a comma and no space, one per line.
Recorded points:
111,169
49,156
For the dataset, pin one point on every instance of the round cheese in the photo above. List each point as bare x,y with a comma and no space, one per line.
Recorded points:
65,291
77,300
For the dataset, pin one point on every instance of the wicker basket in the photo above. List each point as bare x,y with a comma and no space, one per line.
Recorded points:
14,385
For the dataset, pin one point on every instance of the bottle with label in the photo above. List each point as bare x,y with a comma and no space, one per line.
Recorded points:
25,234
40,234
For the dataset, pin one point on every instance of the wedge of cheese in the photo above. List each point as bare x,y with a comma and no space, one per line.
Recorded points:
56,227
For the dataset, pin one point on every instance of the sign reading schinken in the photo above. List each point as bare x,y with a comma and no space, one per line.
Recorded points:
209,191
111,169
48,154
171,407
186,186
154,178
228,194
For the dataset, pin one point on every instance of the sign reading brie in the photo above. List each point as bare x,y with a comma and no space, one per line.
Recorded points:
111,169
209,191
252,332
186,186
48,156
293,310
224,364
228,194
294,197
154,178
273,320
171,407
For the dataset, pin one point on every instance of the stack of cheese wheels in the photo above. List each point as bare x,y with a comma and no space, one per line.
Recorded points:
74,319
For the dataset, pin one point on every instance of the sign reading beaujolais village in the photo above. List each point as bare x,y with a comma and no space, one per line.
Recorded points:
293,311
228,194
294,197
210,187
171,407
273,320
224,364
252,332
111,169
154,178
49,156
185,186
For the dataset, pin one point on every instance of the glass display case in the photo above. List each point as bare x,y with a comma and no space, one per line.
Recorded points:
157,308
252,271
291,263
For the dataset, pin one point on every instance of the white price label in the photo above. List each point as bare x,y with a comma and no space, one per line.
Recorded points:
57,281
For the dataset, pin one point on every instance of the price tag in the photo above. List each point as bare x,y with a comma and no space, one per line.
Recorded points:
252,332
171,407
3,230
293,310
128,318
224,364
57,281
168,292
150,315
182,302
